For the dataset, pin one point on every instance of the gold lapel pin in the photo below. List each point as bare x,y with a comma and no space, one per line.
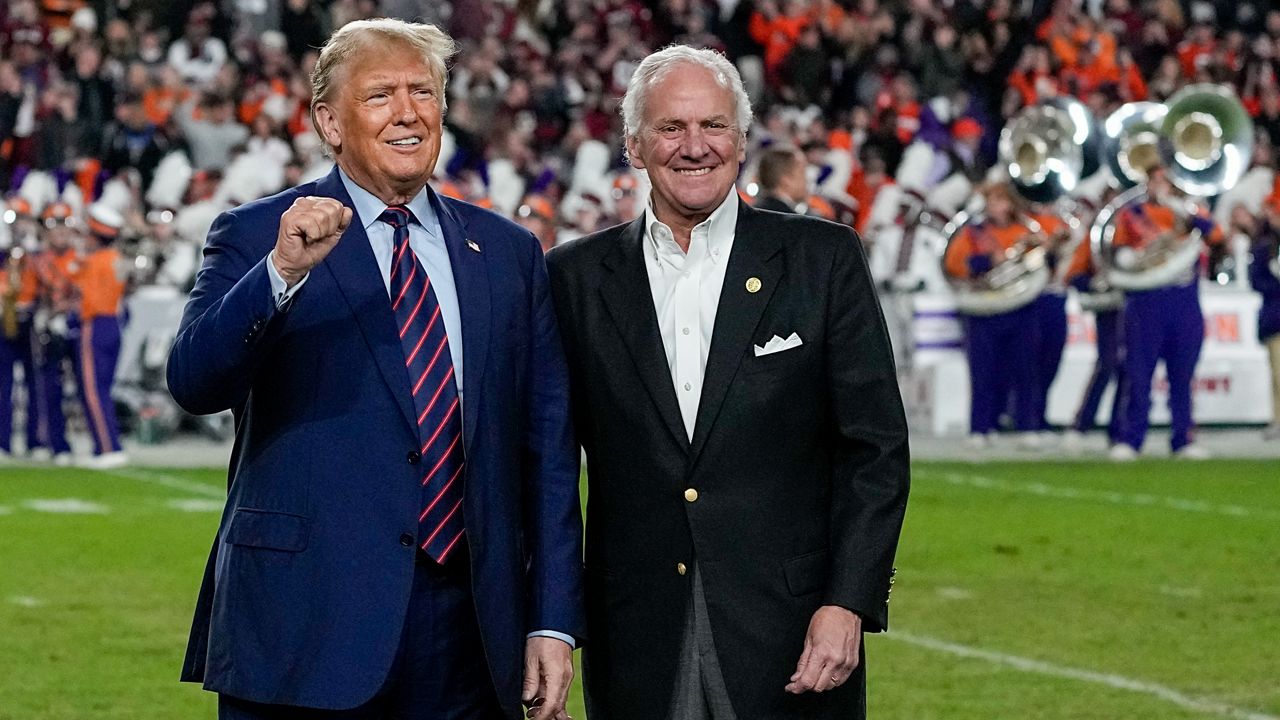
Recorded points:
753,285
475,246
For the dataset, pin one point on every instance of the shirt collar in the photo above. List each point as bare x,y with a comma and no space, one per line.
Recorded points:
719,227
369,208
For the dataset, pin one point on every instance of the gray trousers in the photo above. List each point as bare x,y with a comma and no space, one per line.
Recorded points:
700,689
700,692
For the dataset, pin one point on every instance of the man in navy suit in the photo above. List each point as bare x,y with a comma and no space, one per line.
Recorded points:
402,535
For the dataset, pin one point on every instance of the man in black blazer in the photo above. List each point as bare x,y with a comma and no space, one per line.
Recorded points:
735,394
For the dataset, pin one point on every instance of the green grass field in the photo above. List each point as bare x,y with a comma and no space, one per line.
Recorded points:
1025,590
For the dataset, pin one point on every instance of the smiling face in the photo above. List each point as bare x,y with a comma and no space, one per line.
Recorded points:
383,120
689,143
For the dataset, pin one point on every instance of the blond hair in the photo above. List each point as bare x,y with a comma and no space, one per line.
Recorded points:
433,43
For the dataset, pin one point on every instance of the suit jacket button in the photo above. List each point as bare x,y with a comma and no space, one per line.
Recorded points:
406,540
413,457
682,568
691,495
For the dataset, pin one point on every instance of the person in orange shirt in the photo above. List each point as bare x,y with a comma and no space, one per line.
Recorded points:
12,263
1000,357
50,294
777,26
1163,323
100,290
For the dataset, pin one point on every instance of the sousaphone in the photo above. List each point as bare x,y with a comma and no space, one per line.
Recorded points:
1204,140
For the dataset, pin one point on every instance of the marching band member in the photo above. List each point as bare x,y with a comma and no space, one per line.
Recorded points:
52,324
1163,323
1050,310
18,235
1107,366
1264,278
101,289
997,346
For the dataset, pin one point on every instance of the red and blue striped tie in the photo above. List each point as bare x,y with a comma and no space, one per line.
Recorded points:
435,394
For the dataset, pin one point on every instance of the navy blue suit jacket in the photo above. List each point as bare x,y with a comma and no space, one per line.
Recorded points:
309,577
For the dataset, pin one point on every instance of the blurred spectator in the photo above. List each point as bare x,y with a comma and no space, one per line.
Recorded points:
197,55
536,215
64,133
94,90
211,131
938,63
303,26
804,75
133,141
784,184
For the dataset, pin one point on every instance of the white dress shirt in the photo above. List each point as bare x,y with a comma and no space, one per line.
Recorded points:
686,293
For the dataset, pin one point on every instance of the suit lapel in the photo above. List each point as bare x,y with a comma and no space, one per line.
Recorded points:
471,277
629,300
755,255
354,269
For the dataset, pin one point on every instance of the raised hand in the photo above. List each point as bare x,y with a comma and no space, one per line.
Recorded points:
309,230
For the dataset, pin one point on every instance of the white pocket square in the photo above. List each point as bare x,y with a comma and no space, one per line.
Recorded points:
777,345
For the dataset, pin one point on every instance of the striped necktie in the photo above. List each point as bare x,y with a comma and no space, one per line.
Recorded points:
435,394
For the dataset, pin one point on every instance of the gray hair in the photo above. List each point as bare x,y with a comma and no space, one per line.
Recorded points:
435,45
656,66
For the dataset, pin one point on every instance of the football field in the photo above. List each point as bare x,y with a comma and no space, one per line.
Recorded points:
1050,590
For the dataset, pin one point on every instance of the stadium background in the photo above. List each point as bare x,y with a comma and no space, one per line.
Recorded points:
1033,586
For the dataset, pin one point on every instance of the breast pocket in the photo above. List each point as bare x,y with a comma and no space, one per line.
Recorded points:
780,362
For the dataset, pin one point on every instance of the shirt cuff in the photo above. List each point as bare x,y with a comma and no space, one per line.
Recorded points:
280,290
553,634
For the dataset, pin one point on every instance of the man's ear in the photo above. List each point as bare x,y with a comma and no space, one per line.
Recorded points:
327,125
633,153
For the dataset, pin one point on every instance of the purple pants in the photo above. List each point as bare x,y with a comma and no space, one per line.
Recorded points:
1161,324
96,357
1001,360
46,421
1050,339
1108,365
9,357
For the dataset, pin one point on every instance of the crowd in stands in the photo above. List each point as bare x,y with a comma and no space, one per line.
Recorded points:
173,111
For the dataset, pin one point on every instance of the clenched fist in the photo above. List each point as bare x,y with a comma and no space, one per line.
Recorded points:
308,231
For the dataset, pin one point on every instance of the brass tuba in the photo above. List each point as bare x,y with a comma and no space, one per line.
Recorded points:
1014,282
1204,138
1048,149
13,285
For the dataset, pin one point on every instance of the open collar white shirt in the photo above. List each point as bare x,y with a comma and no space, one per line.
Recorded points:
686,294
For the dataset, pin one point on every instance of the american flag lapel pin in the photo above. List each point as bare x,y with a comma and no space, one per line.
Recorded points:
475,246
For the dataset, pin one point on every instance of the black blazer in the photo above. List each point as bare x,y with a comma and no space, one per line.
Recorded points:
799,461
773,202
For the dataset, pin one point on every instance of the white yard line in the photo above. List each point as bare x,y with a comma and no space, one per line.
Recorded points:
73,506
1187,702
196,505
1113,498
172,482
